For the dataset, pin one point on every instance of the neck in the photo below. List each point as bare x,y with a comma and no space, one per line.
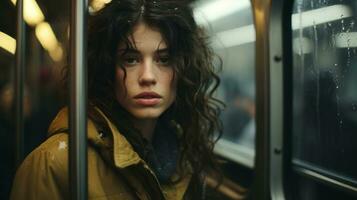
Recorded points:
146,127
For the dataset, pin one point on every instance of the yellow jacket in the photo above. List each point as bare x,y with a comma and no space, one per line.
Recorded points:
115,170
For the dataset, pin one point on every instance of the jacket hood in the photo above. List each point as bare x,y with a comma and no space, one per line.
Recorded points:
123,153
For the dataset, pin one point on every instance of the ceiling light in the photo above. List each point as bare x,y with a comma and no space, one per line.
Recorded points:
346,40
32,12
45,35
320,16
57,53
218,9
7,42
235,37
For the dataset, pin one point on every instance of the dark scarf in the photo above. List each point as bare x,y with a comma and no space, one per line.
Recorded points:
161,154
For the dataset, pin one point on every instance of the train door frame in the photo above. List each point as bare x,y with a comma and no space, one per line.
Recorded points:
274,73
273,67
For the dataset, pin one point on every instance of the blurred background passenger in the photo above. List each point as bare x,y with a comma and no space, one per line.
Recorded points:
239,115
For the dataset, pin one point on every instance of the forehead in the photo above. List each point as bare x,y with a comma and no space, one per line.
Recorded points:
145,37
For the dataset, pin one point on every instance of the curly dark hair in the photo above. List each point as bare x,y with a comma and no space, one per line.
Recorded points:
195,108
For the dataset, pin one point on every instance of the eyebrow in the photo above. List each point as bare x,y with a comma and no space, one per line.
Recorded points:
164,50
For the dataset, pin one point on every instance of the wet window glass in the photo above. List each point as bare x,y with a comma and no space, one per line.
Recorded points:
232,33
46,50
324,88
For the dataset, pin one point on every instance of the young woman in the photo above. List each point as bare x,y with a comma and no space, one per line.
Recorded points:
152,117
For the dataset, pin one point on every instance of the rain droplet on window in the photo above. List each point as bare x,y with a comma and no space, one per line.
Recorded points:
354,107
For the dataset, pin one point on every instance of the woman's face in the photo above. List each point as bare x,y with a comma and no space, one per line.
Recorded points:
148,89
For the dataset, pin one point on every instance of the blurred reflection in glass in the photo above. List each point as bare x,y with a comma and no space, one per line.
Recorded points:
232,33
325,95
239,117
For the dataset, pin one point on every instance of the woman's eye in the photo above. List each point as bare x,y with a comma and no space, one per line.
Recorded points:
163,60
131,61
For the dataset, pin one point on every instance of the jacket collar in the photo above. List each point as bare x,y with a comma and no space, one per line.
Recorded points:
123,153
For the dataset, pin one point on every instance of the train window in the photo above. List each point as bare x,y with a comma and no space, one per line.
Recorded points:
324,96
46,44
230,25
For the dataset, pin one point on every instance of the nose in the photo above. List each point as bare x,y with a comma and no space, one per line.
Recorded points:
147,75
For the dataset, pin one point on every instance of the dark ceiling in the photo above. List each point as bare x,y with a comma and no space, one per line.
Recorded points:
53,11
7,17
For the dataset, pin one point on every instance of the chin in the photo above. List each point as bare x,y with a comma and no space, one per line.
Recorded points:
146,114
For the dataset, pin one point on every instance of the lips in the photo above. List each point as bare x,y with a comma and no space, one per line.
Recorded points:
147,98
147,95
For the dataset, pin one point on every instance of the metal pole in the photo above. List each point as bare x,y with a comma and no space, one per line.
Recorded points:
19,83
78,102
261,183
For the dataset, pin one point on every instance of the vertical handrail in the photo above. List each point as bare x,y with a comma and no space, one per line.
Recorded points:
19,83
78,102
261,185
